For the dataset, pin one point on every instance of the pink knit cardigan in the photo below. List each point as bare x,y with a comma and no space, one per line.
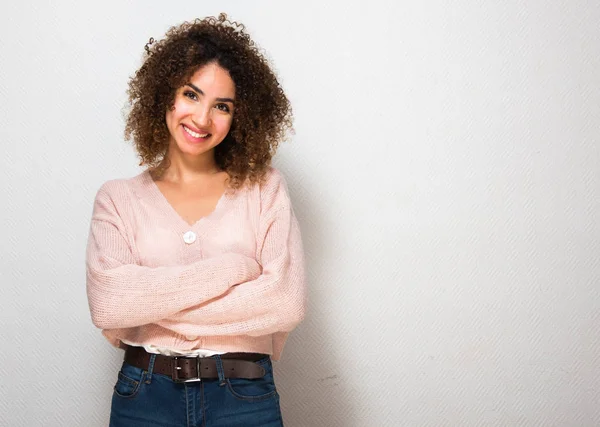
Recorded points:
232,282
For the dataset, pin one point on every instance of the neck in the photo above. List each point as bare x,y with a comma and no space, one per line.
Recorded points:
185,168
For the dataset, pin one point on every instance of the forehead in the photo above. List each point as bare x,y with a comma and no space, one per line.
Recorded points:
213,79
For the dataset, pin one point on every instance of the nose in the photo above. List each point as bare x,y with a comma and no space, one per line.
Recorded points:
201,116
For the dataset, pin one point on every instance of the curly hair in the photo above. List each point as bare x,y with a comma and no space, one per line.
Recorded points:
263,115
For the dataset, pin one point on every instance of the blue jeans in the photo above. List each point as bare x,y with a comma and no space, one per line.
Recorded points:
145,399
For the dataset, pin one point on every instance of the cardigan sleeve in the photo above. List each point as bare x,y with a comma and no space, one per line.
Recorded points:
122,294
273,302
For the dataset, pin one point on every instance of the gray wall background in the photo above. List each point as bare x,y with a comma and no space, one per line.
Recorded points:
445,171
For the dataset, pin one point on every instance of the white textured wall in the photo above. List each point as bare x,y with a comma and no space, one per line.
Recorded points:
445,172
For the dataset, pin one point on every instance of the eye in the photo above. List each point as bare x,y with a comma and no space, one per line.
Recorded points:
191,95
223,107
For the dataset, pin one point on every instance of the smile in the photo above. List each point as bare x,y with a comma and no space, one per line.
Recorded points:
195,134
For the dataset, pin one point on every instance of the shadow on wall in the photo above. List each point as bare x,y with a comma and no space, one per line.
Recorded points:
310,376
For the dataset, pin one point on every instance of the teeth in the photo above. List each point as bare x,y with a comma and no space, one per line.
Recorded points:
195,134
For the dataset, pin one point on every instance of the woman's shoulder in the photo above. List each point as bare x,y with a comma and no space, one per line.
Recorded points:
273,190
123,188
273,180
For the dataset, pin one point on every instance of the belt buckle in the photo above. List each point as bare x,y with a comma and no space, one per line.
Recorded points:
177,368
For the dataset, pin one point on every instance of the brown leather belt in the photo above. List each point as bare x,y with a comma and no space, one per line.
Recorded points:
185,369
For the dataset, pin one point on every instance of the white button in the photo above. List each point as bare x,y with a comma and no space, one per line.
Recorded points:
189,237
191,337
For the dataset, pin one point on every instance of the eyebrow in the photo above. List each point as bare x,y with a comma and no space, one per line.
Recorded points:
202,93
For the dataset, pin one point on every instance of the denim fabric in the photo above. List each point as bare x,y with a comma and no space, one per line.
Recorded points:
145,399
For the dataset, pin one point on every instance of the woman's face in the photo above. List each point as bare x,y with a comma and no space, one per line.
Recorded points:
203,111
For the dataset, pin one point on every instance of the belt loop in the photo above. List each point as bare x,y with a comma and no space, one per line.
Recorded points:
220,370
150,368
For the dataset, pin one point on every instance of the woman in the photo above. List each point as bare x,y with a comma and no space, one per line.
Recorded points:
195,266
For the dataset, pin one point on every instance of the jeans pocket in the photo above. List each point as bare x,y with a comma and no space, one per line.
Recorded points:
129,381
255,389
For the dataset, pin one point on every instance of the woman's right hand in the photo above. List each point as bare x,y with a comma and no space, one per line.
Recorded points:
249,269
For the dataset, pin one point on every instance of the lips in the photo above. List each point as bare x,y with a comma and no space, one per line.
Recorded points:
199,133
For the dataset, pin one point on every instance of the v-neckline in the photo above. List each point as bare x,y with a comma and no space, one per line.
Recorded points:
168,208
